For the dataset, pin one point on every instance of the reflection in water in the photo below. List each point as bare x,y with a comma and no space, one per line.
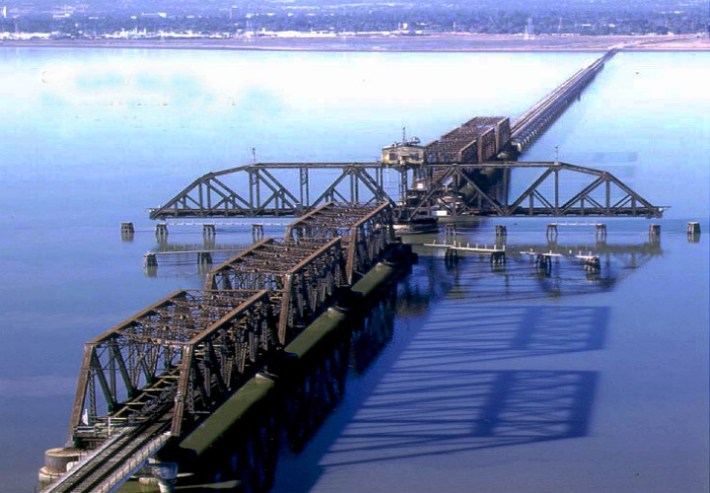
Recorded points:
246,459
433,399
523,276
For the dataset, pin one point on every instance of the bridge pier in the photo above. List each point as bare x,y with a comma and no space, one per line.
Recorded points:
551,232
161,231
543,262
127,231
150,264
693,231
257,232
165,474
592,264
498,258
601,232
208,230
654,232
57,461
451,257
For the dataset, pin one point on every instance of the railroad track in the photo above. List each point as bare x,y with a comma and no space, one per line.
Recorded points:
115,461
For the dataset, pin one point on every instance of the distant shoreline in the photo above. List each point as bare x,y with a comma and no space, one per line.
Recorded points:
453,42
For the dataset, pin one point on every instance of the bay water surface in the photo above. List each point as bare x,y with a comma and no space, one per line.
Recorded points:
492,381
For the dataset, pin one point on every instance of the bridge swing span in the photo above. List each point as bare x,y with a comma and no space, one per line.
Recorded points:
456,189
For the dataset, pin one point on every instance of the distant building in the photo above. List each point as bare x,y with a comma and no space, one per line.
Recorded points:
403,153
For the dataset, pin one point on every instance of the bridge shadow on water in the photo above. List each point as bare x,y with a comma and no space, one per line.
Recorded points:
439,390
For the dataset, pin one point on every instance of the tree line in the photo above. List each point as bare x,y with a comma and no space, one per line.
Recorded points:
424,19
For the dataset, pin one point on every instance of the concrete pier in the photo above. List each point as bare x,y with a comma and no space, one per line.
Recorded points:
127,231
209,231
161,231
257,232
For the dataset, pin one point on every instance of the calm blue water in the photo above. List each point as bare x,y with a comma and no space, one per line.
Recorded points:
503,383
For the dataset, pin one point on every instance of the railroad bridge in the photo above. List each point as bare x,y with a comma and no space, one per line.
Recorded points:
468,171
156,376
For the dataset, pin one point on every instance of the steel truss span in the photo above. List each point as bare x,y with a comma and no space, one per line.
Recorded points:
181,357
268,190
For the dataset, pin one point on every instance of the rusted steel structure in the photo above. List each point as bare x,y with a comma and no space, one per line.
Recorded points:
159,373
276,189
181,355
365,232
477,141
303,278
449,189
542,114
592,192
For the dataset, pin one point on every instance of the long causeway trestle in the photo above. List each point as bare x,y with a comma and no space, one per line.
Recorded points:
541,115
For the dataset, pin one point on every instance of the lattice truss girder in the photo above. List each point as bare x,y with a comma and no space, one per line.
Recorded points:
308,288
131,370
303,273
366,230
560,190
263,265
258,191
277,189
218,360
